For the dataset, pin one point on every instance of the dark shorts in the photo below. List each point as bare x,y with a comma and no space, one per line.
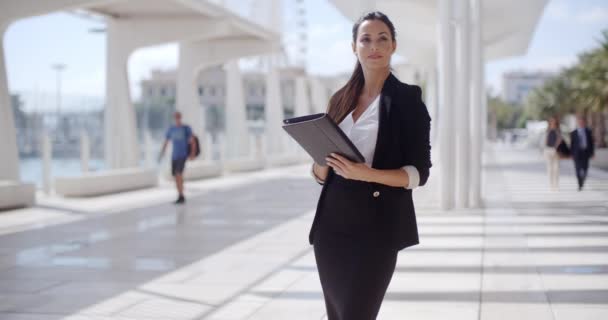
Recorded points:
177,166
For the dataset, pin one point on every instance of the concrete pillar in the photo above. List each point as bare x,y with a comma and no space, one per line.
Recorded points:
121,147
273,111
9,164
462,83
236,114
477,96
187,98
445,54
302,103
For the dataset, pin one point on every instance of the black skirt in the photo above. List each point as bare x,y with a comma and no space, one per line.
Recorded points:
355,268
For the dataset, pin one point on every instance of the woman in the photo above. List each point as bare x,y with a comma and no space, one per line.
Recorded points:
365,213
553,138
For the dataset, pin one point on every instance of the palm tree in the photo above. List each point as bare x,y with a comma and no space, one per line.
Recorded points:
555,97
590,78
582,88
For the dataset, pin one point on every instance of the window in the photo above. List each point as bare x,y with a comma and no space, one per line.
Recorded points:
200,91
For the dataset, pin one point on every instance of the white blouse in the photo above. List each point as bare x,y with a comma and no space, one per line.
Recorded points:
364,134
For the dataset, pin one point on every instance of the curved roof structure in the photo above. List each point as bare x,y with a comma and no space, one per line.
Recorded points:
508,26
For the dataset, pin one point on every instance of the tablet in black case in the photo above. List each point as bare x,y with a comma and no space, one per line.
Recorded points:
319,135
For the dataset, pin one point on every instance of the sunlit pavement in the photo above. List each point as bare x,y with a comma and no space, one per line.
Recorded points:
238,250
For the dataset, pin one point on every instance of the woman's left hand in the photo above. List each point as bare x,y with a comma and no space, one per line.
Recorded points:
348,169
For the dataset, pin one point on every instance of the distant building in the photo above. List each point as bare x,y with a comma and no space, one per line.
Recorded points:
211,89
518,84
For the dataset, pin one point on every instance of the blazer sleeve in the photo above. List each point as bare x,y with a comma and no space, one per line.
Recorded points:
417,149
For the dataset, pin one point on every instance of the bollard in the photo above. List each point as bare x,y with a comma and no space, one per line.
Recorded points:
148,154
207,148
47,152
85,151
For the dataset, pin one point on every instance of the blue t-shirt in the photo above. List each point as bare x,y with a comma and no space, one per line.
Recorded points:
180,137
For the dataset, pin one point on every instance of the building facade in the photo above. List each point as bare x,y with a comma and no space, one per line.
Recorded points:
211,89
517,85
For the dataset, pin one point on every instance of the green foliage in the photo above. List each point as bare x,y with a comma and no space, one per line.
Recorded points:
507,115
578,89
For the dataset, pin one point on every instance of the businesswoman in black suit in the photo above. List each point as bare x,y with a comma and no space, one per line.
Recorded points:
365,213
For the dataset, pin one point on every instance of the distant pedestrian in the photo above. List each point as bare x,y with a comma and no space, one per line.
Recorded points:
184,148
582,149
553,139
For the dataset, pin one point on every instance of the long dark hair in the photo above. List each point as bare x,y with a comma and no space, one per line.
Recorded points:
345,100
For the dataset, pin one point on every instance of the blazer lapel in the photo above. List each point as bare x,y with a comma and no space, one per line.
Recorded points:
383,122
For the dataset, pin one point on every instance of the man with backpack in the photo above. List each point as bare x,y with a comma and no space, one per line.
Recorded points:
185,147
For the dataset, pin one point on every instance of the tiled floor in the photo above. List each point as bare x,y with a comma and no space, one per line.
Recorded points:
239,250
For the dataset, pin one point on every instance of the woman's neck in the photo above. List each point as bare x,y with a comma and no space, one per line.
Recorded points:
374,81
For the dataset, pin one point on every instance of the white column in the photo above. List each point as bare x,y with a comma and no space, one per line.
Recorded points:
302,103
477,96
463,46
9,161
445,54
121,147
237,137
273,111
187,98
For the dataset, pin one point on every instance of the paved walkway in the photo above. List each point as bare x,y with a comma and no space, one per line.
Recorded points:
238,250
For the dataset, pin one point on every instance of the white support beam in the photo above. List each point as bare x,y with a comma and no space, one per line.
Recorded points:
237,133
121,147
15,10
446,102
462,83
273,111
9,162
187,99
477,96
143,32
195,57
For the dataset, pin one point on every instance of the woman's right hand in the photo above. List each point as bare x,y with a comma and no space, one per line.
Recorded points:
320,172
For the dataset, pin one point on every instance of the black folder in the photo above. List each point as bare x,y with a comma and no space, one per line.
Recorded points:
319,135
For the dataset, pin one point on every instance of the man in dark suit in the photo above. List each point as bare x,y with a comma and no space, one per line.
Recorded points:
582,149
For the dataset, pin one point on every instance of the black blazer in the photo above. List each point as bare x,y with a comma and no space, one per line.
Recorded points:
403,139
577,153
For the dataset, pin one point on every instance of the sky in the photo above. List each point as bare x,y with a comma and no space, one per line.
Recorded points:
33,45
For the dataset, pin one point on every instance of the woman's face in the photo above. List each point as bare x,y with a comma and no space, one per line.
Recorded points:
374,45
